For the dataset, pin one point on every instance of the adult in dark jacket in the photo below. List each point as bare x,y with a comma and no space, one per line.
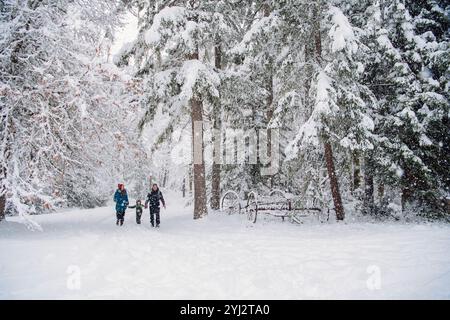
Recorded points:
121,200
153,198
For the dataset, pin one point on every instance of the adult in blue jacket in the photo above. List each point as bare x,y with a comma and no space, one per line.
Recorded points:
121,200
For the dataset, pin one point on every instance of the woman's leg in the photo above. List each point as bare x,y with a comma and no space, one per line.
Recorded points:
118,217
157,216
152,216
122,216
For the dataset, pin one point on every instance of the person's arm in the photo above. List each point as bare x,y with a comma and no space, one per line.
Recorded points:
162,199
115,196
126,199
146,201
131,207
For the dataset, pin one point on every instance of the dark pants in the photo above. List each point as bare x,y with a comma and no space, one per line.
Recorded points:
120,216
154,211
138,217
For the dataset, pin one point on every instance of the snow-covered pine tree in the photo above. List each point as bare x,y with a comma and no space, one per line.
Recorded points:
254,90
228,31
179,75
338,113
283,48
225,29
430,23
406,73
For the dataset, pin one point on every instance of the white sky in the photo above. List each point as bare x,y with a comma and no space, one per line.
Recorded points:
126,34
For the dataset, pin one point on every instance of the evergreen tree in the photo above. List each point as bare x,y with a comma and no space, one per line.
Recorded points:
406,75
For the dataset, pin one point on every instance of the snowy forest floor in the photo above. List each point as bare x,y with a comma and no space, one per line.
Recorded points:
219,257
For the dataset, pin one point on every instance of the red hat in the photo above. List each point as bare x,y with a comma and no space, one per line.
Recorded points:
120,185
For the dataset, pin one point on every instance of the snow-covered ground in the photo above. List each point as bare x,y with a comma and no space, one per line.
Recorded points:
83,254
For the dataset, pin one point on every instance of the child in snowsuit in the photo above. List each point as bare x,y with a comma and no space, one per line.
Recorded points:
139,208
121,200
154,197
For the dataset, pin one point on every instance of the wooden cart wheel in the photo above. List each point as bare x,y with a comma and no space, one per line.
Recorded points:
230,203
277,193
251,214
252,197
252,206
324,215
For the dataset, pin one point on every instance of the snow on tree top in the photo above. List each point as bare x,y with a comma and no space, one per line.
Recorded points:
174,15
341,32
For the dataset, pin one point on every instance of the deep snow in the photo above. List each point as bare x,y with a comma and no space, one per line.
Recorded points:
219,257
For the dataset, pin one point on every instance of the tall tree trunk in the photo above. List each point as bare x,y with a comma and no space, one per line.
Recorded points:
216,166
380,191
2,200
190,180
269,102
2,193
409,181
2,206
255,168
165,178
309,52
356,171
5,121
269,116
334,182
200,206
337,200
368,185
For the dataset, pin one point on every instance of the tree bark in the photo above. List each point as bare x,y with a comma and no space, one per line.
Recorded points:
2,204
2,207
409,181
190,180
200,206
406,195
2,193
337,200
269,106
380,191
334,182
356,172
368,186
164,178
216,166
